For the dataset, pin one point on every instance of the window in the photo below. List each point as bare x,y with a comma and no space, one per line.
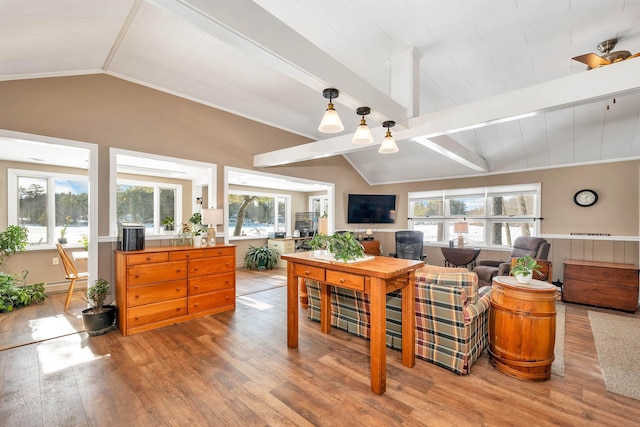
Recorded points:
49,205
147,202
257,214
496,215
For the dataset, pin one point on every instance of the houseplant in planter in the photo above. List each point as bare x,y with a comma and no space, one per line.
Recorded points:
99,318
524,268
168,223
262,258
344,246
63,232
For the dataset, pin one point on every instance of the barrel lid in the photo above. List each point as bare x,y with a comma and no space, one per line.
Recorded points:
534,285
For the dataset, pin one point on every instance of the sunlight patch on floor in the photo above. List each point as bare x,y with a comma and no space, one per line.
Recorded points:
51,326
56,355
250,302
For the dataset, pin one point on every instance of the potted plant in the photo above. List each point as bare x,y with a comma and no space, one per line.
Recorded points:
344,246
99,318
523,269
261,258
63,232
168,223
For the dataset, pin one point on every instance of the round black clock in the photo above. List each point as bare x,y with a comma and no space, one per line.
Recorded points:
585,198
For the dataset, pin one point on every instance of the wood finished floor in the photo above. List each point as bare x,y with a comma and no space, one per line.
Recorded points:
234,369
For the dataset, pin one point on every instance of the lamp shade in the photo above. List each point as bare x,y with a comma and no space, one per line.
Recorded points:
331,122
362,135
388,145
461,227
212,216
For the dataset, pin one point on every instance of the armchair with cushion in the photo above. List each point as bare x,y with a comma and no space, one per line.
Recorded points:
409,245
535,247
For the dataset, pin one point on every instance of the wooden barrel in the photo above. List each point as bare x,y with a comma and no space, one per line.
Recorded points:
522,328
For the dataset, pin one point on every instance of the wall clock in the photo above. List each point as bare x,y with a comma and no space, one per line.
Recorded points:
585,198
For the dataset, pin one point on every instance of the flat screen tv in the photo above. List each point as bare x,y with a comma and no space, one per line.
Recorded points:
371,209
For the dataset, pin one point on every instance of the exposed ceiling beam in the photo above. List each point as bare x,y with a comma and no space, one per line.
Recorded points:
246,26
566,92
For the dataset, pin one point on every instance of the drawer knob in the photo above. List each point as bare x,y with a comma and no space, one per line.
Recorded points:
197,286
196,269
227,298
137,296
195,305
178,290
219,252
227,264
307,272
178,308
178,270
137,275
137,317
148,258
226,282
188,255
341,280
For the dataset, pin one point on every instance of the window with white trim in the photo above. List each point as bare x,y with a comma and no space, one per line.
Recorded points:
495,215
51,206
253,214
148,202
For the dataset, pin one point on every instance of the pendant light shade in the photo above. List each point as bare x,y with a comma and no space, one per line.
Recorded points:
331,122
363,134
388,145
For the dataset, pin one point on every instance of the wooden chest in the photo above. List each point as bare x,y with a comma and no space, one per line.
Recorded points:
160,286
602,284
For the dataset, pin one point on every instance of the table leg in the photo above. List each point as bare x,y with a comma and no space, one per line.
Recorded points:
409,322
292,307
378,351
325,308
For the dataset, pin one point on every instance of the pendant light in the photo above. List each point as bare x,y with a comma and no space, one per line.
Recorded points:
388,145
331,122
363,134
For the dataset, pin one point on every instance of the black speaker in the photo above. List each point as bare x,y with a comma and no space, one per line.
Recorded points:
130,236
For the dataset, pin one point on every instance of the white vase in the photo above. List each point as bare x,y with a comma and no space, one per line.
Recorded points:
522,278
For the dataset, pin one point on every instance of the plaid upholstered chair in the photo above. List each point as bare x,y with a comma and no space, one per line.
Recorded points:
451,318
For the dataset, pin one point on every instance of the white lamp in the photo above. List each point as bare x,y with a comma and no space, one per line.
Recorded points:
388,145
461,228
331,122
369,234
363,134
212,218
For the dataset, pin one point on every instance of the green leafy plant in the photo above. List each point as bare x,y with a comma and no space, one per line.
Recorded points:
168,222
261,258
344,246
14,239
97,294
524,266
14,292
197,228
84,241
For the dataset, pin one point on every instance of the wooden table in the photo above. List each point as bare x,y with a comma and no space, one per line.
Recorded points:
460,257
376,277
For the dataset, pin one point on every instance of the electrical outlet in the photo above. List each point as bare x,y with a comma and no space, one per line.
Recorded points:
55,261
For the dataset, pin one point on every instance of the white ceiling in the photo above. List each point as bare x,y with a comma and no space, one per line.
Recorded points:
475,87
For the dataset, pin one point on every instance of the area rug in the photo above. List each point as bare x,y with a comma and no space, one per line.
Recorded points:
557,367
617,340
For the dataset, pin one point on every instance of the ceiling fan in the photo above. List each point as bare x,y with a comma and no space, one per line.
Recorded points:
594,61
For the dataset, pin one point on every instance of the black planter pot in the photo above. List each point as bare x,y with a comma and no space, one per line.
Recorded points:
99,323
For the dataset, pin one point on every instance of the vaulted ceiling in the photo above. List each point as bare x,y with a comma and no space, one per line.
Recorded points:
475,88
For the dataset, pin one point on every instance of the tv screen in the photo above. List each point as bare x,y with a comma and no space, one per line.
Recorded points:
371,209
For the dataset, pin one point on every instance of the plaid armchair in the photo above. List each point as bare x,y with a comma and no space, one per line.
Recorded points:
451,316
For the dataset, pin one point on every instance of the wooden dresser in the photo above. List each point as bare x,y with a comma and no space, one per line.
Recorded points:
602,284
160,286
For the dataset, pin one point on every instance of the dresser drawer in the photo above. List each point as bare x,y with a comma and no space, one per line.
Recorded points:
146,294
207,266
192,254
315,273
147,258
345,280
138,316
602,274
217,282
216,252
211,301
151,273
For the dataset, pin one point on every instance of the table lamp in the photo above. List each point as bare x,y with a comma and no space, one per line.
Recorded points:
369,234
461,227
212,218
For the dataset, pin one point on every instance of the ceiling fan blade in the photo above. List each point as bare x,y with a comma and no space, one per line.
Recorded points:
592,60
